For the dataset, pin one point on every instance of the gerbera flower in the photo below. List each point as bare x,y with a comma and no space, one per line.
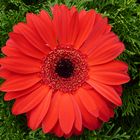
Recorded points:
61,70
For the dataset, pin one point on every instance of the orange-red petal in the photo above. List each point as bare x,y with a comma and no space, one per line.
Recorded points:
57,130
85,26
10,51
88,120
98,35
37,114
44,28
109,78
28,102
112,73
12,95
105,112
61,22
32,36
78,116
104,54
66,113
20,64
6,74
73,29
113,66
17,83
51,117
119,89
106,91
87,101
23,45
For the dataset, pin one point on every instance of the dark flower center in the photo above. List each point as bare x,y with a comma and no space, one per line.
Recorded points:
64,68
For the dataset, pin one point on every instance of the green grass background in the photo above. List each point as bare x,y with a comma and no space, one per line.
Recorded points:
124,16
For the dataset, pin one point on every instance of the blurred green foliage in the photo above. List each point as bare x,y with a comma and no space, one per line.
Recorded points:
124,16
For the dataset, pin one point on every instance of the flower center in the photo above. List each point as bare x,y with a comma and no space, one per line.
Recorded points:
65,69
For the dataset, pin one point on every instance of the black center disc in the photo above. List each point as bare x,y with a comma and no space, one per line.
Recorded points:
64,68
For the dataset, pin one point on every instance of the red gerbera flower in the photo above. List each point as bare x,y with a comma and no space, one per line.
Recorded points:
61,70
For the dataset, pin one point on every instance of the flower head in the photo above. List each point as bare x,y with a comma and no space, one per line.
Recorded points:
61,70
